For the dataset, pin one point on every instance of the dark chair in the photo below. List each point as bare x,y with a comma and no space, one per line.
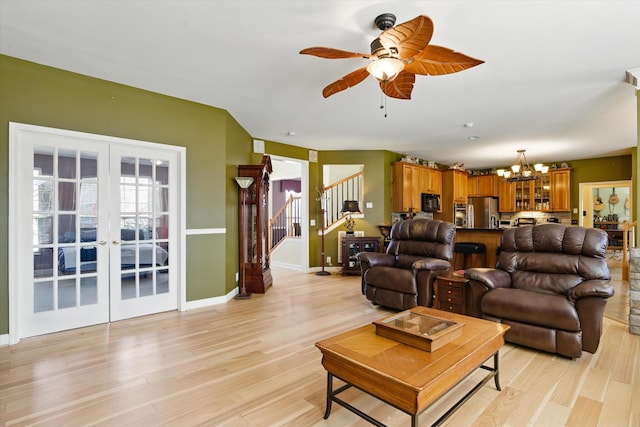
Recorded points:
550,284
420,250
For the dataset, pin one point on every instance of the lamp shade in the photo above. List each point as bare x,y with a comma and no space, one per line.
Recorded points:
244,181
385,69
350,206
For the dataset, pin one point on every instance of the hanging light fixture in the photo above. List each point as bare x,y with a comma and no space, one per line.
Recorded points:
522,171
385,69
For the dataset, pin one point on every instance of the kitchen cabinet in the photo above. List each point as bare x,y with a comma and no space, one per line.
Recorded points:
454,190
506,196
547,193
560,190
409,182
482,186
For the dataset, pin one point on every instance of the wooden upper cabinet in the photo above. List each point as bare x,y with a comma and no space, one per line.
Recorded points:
431,181
506,195
409,182
459,189
560,192
482,186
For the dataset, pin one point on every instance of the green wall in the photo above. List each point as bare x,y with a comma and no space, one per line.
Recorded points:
215,143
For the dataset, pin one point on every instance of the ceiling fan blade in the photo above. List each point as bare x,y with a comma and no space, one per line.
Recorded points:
346,82
438,60
408,38
330,53
401,87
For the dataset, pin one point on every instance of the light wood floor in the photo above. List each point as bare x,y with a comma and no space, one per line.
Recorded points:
254,363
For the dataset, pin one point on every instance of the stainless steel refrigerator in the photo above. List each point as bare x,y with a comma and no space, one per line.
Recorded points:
485,212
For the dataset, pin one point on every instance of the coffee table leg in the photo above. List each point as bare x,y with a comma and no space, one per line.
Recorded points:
496,378
327,411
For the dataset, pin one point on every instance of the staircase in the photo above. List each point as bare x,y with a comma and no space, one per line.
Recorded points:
286,223
349,188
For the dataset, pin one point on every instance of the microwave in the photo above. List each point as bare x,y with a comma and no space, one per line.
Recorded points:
430,202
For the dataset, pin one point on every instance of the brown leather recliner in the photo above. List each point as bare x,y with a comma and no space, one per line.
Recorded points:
550,284
402,278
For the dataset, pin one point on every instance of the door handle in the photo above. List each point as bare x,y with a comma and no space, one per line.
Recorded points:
102,242
116,242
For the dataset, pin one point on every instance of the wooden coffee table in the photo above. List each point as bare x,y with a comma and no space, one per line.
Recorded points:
406,377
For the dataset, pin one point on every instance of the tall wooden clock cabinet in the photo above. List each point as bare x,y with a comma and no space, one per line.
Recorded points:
253,206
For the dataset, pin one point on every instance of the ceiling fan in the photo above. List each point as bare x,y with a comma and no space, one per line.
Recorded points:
397,55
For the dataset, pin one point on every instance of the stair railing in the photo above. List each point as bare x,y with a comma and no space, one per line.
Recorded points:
286,222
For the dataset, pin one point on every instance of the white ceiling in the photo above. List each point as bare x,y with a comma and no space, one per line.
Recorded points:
552,82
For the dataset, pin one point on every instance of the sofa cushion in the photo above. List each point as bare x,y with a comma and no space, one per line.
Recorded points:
534,308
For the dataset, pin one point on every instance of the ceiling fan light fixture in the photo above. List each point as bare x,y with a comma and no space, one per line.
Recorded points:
385,69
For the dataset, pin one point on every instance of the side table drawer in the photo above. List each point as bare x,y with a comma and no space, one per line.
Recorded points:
454,308
450,294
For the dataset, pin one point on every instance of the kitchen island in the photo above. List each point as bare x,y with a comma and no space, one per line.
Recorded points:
489,237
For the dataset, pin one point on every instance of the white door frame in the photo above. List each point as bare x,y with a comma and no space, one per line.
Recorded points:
15,131
304,210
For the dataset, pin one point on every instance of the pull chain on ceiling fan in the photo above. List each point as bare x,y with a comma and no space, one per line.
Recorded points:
397,55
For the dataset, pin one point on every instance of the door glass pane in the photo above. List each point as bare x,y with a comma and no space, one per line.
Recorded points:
145,198
43,296
43,195
88,228
88,290
42,229
162,172
128,286
88,259
89,196
88,165
66,293
146,170
43,161
127,198
67,196
146,284
67,164
162,200
162,281
43,262
66,228
127,169
145,227
128,255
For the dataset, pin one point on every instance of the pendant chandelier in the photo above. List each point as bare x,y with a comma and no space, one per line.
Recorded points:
521,171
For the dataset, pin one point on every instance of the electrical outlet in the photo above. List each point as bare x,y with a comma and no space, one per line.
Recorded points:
329,260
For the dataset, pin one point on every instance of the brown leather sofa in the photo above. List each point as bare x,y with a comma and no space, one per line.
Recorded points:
420,250
550,284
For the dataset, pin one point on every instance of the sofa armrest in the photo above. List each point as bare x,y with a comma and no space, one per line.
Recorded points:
373,259
591,288
492,278
432,264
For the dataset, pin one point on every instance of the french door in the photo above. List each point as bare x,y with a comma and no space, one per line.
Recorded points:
93,230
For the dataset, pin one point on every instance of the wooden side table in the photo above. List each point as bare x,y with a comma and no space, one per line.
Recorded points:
351,246
450,293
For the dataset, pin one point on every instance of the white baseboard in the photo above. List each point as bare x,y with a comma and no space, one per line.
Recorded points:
286,265
207,302
4,339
